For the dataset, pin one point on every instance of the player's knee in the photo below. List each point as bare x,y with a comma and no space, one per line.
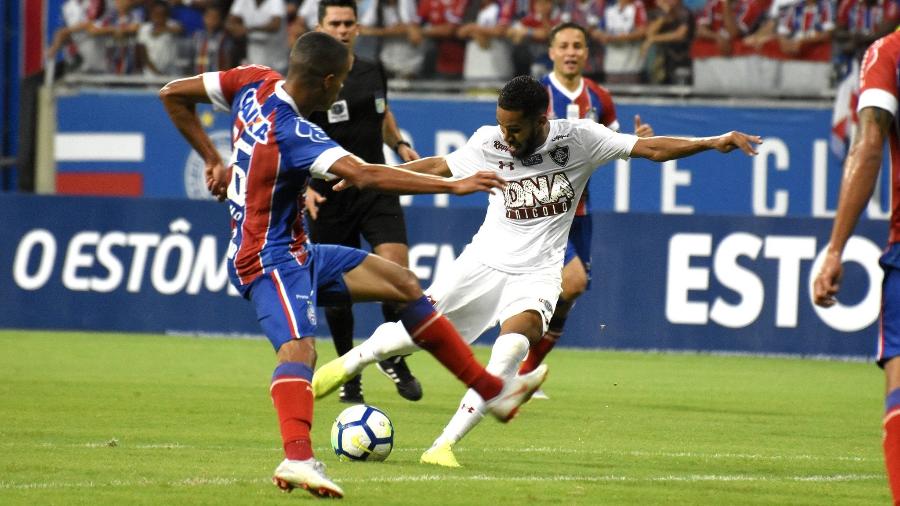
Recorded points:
298,350
573,286
408,286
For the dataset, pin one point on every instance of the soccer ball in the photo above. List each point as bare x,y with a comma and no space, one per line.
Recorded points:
362,433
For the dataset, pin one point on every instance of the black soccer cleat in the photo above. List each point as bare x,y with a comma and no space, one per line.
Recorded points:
396,369
351,391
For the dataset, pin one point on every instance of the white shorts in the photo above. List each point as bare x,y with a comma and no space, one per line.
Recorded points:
475,297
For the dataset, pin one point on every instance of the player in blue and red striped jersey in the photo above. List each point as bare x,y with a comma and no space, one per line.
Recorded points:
879,94
573,96
275,152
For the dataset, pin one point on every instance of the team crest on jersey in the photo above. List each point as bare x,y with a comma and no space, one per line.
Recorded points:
250,114
560,155
533,159
310,131
538,197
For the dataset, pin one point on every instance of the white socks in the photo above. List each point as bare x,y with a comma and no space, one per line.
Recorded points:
507,354
388,340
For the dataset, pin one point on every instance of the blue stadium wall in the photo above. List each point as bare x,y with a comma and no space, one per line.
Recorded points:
709,253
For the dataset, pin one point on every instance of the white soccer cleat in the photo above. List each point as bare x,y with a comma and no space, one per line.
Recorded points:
516,392
540,394
306,474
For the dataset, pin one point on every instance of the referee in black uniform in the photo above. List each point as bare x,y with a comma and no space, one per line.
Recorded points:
361,122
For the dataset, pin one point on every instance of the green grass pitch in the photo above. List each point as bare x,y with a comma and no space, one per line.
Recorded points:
144,419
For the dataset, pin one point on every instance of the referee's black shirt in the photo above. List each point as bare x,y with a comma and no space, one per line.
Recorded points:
354,120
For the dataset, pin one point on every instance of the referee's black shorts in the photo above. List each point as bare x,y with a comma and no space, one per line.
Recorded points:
347,216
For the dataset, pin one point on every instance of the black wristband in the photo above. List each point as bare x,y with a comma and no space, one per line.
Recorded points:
401,142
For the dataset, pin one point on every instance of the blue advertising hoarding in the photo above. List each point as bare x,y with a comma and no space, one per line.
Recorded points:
660,282
794,175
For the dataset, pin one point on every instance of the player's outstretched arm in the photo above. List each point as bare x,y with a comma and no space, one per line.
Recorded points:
860,174
661,149
180,98
433,165
387,179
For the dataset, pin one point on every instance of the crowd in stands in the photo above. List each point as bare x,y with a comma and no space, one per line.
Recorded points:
632,41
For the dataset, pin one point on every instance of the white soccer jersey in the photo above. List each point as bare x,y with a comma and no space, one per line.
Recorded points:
526,227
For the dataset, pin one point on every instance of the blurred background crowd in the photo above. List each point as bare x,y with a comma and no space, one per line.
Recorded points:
632,41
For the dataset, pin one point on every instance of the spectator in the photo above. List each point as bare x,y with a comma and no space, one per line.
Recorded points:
668,44
587,13
804,25
862,22
368,42
157,47
530,36
488,53
212,48
116,30
402,51
725,21
445,52
80,50
262,23
188,14
622,31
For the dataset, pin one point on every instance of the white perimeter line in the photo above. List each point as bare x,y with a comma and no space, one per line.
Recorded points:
692,478
527,449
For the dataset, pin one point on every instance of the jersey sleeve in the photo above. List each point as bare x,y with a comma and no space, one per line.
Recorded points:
306,146
878,78
608,118
468,159
221,87
602,144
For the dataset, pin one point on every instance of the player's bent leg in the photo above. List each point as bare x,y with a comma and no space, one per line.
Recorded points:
506,354
293,400
378,279
389,339
891,424
889,358
395,367
574,283
340,323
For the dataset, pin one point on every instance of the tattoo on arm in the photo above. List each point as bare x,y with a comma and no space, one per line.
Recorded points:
874,116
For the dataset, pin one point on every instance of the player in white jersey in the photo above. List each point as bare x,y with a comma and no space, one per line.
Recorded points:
510,272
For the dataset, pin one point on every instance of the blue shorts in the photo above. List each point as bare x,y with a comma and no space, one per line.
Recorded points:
286,298
580,243
889,324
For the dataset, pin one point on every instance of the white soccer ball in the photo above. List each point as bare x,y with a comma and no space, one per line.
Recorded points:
362,432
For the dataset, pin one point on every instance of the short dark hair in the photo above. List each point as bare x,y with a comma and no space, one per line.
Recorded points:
316,55
565,26
525,94
325,4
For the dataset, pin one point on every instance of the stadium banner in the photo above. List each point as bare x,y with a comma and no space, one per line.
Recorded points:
100,148
707,283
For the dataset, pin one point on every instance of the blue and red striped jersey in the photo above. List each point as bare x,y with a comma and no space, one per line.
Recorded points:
275,151
589,101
